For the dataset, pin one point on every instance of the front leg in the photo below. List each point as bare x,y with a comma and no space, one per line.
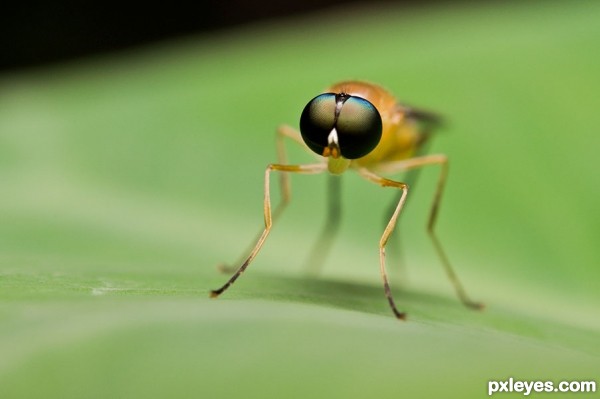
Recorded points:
442,161
283,132
388,231
308,169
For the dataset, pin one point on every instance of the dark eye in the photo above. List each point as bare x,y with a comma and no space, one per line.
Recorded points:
317,120
359,128
356,120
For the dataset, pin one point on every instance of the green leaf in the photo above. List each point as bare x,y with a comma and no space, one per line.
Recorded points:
127,179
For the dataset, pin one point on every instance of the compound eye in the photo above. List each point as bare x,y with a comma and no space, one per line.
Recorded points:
356,121
317,121
358,127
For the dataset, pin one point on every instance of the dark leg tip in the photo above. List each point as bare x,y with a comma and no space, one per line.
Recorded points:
400,315
214,293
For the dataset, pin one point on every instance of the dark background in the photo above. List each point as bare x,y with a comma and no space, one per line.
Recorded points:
34,34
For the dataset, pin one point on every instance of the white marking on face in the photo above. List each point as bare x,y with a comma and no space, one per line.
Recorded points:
333,138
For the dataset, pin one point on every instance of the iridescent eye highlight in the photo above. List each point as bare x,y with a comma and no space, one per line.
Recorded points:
359,127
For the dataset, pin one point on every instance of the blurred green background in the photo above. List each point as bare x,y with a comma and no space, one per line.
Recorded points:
126,179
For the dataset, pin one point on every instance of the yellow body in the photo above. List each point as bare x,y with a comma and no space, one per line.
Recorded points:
400,136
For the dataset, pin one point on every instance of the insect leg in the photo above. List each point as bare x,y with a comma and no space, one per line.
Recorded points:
396,241
312,168
458,287
323,244
283,132
427,122
387,232
286,192
441,160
